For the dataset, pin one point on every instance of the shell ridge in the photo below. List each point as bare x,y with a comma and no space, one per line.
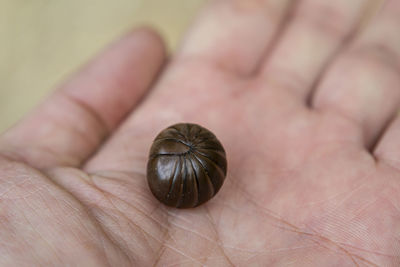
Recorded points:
178,132
170,154
173,180
172,139
206,172
209,148
211,160
183,182
196,179
200,139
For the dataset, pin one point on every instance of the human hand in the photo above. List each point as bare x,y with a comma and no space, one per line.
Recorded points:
301,103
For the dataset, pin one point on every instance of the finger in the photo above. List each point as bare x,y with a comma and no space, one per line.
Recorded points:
71,124
363,85
233,34
318,28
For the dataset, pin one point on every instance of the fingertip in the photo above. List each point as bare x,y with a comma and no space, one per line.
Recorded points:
149,36
120,75
92,103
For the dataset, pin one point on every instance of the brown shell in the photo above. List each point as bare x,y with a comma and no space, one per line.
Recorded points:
187,166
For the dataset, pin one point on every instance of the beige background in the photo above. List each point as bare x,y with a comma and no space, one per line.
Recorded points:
42,41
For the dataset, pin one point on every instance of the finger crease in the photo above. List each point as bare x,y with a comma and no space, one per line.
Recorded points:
91,112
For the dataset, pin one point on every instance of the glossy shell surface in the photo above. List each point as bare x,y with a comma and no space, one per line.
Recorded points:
187,166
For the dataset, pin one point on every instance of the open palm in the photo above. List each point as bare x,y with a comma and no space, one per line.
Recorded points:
304,102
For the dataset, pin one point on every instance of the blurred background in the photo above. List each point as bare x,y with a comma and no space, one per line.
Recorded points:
43,41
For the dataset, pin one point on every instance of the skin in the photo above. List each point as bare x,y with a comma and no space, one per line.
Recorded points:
304,98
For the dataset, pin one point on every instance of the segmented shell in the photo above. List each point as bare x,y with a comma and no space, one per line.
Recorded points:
187,165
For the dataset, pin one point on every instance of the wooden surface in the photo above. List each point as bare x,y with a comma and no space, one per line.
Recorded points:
43,41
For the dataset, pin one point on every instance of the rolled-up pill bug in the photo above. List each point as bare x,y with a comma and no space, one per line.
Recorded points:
187,166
